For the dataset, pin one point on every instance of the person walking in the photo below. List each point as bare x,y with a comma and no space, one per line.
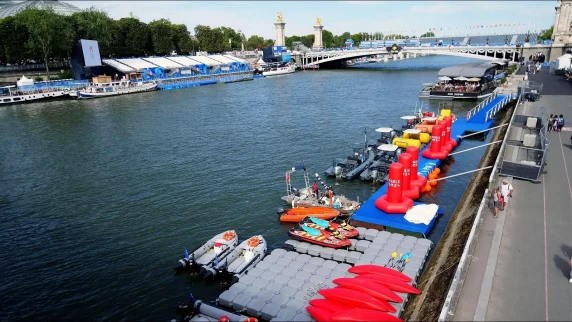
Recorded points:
550,122
496,201
506,190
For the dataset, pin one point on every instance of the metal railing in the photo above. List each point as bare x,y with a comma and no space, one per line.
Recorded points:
481,105
456,287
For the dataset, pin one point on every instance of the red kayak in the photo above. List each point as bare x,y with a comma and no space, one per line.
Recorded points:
376,290
380,270
354,298
319,314
359,315
329,306
391,283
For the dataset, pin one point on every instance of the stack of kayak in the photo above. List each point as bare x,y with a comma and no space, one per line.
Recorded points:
324,233
365,297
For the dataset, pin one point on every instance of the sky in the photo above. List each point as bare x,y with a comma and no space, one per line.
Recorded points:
406,17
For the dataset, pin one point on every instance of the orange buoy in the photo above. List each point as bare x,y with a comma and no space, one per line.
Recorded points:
433,183
427,188
422,189
228,236
431,176
437,170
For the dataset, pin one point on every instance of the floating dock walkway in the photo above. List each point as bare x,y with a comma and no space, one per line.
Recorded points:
478,119
280,287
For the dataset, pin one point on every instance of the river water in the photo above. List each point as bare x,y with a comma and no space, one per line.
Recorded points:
99,197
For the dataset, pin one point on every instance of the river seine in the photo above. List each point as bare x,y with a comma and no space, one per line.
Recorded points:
99,197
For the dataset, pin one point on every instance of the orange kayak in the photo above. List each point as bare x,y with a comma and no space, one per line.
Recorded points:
297,214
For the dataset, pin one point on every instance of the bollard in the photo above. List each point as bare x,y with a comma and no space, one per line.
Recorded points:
407,190
434,151
416,179
393,202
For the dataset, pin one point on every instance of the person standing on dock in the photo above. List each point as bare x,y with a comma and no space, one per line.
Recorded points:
506,191
316,190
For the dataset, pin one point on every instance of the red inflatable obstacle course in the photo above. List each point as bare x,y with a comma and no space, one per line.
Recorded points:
449,121
407,190
319,314
445,145
394,202
416,179
435,151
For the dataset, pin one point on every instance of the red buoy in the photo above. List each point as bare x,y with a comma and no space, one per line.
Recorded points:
449,121
445,145
407,189
394,202
435,151
416,179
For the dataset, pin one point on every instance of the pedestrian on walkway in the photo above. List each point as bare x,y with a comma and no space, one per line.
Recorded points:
550,123
506,191
496,201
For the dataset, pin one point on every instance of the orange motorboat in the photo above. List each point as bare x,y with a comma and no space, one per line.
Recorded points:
299,213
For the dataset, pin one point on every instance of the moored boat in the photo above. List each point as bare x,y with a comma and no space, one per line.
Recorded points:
319,237
342,226
103,86
279,69
216,249
299,213
245,256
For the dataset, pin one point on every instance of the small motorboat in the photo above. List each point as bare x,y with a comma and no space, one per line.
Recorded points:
245,256
319,237
338,225
299,213
214,250
379,169
304,197
341,167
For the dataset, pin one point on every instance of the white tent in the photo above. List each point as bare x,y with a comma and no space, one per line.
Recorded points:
24,81
564,61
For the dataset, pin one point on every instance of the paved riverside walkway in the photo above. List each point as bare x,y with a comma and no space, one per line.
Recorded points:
519,269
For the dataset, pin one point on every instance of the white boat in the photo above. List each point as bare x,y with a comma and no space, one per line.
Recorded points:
244,257
9,95
213,251
279,70
103,87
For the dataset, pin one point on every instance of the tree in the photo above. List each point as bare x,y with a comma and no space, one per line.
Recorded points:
546,34
96,25
255,42
14,36
49,32
427,34
132,38
357,38
210,40
328,39
162,36
229,33
181,39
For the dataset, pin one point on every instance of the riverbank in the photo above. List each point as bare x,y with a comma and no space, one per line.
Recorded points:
439,272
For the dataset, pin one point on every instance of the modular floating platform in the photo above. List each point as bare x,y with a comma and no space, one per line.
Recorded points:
370,216
280,286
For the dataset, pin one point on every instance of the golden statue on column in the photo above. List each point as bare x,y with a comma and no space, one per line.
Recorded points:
318,21
279,17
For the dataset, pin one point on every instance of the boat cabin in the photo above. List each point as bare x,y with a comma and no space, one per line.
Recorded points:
466,81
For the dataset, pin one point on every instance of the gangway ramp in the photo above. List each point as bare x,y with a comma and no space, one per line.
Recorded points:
119,66
136,63
163,62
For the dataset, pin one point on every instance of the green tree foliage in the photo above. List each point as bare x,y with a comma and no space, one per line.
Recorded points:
546,34
427,34
182,39
95,24
49,33
132,38
14,36
255,42
210,40
162,36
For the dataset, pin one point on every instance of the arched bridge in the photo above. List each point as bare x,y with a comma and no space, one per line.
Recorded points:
480,52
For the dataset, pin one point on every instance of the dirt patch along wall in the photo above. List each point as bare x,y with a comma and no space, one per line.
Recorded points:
440,270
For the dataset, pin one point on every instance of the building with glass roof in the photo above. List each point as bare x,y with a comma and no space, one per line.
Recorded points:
9,8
